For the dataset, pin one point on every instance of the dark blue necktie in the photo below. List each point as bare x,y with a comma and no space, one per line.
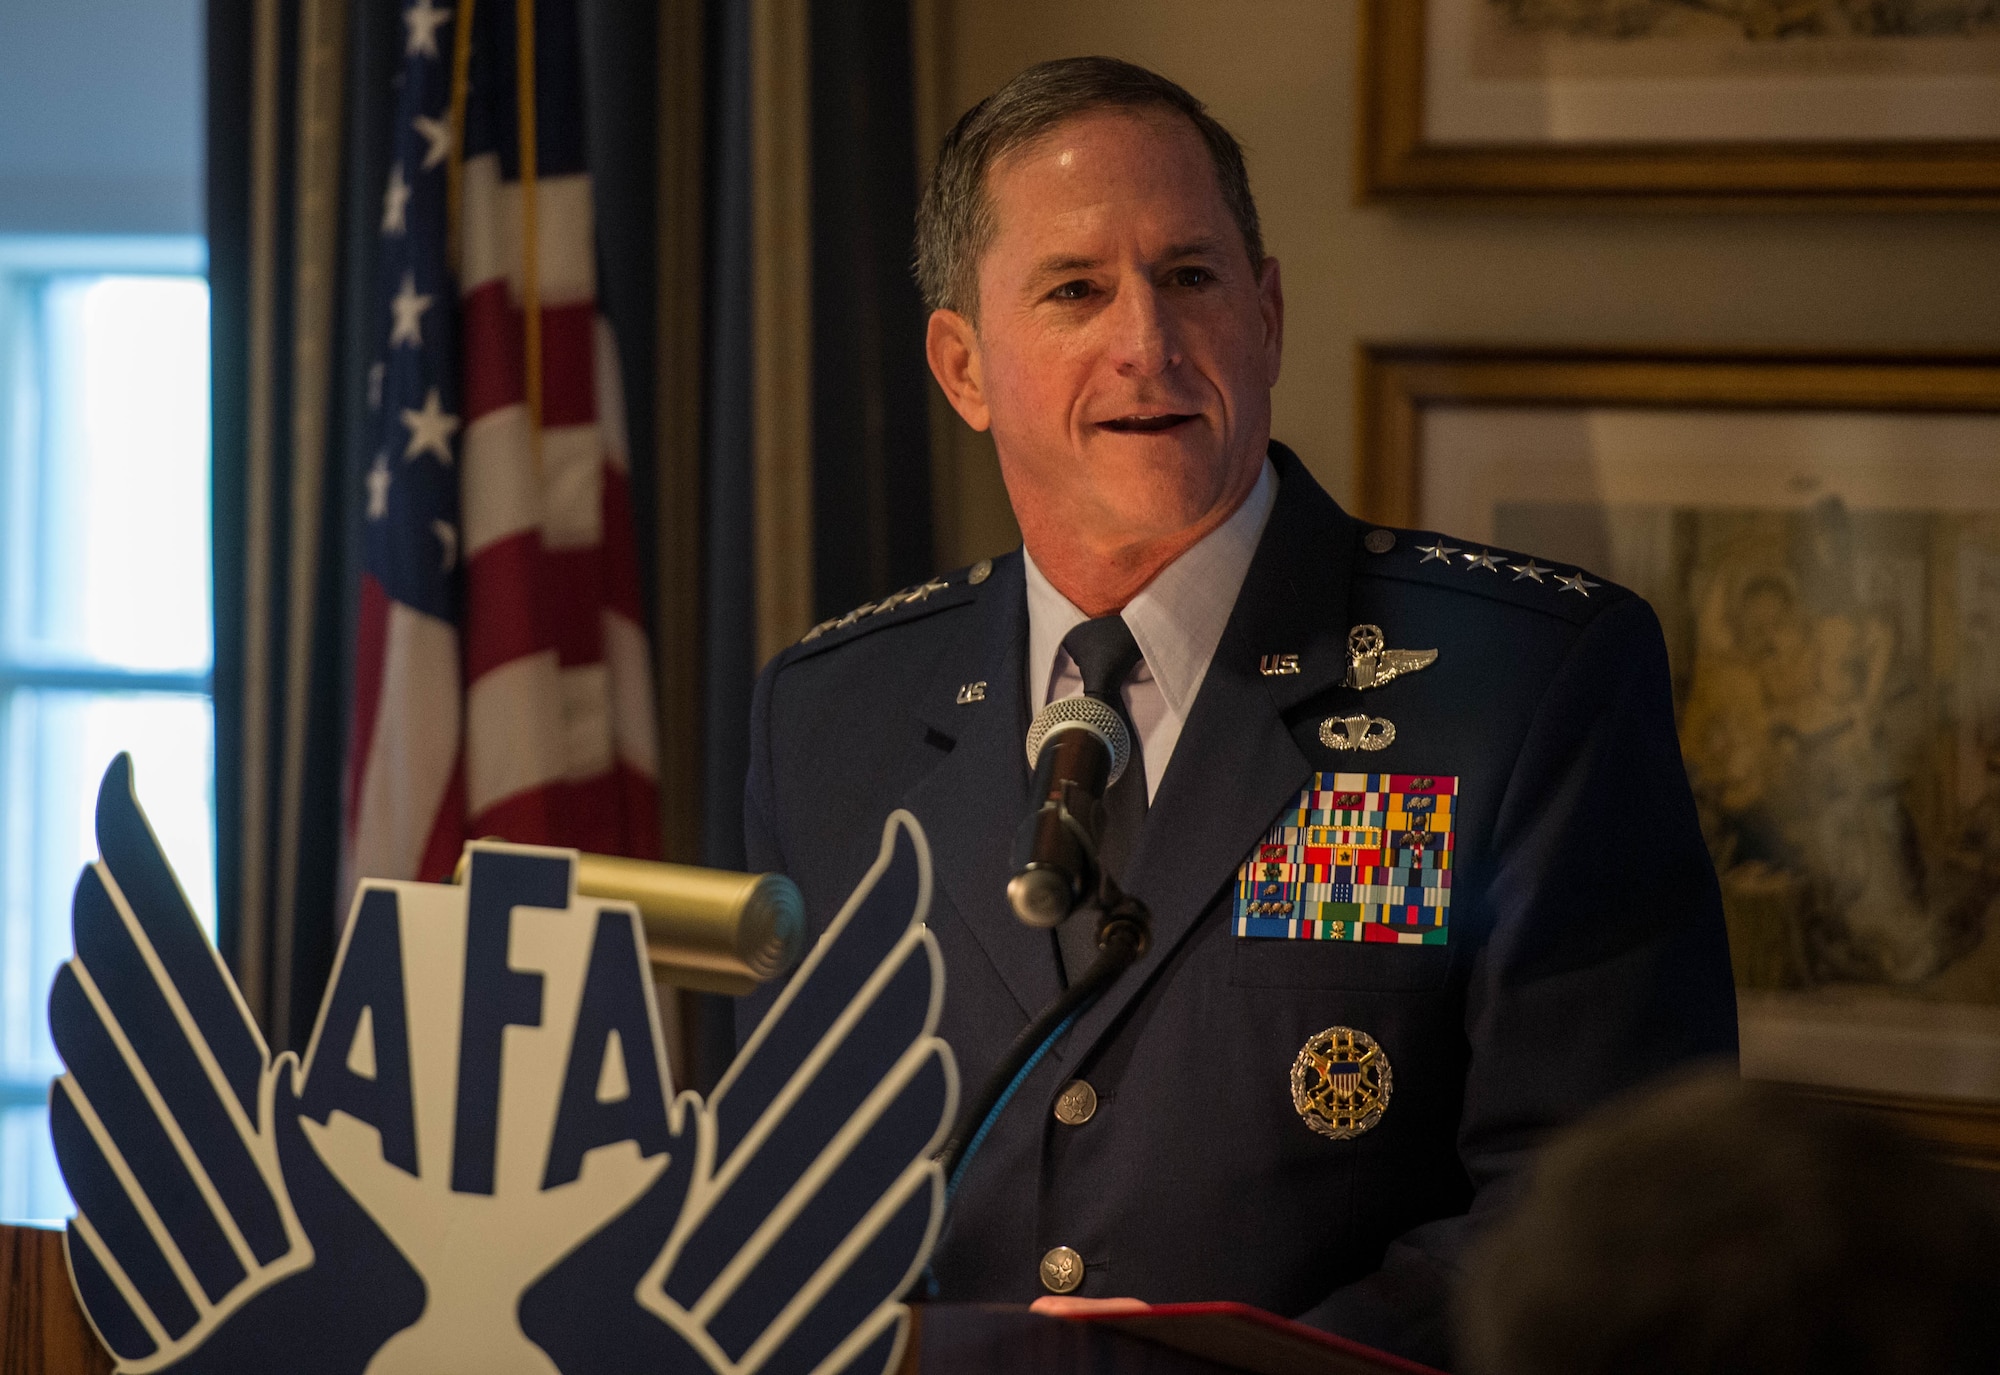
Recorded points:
1105,655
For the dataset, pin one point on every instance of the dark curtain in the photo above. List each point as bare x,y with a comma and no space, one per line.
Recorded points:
227,211
728,503
621,74
281,943
729,594
871,417
280,976
870,423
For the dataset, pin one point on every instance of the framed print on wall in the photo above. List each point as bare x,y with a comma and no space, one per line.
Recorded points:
1820,536
1806,102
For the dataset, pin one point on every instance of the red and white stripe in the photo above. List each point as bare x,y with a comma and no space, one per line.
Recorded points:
553,742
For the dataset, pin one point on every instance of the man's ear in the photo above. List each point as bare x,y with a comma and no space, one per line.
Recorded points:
1271,302
951,343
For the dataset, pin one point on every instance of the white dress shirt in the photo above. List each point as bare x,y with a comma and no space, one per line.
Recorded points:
1177,619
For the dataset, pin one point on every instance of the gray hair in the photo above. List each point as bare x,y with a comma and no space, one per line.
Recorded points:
955,220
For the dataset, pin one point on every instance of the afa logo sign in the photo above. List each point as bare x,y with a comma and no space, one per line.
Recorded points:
480,1164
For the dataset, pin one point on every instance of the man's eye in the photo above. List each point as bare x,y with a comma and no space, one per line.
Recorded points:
1071,291
1191,276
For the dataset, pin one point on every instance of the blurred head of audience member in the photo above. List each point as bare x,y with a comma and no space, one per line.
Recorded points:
1718,1226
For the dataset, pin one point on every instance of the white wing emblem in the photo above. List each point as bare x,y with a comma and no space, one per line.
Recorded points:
480,1152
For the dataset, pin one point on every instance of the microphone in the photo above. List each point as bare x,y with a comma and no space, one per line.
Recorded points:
1078,747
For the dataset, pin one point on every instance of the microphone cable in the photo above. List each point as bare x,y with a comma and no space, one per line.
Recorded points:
1123,933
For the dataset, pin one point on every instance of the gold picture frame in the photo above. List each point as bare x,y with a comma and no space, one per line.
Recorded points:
1397,160
1466,429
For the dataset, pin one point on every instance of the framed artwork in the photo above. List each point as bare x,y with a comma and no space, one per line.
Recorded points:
1820,536
1808,102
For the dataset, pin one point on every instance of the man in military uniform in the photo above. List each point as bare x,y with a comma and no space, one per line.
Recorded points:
1409,813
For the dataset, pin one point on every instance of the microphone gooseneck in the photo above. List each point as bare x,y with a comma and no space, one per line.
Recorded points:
1078,747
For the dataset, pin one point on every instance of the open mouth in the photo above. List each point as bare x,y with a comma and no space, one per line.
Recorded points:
1146,424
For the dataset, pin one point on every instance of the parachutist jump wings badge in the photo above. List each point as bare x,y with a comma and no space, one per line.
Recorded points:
1370,665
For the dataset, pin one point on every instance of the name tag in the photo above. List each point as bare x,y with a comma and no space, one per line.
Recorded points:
1358,857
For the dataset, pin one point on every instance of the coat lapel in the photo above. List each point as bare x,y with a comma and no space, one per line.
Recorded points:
973,801
1236,764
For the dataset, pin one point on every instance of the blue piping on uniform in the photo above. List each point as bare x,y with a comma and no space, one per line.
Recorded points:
1021,1077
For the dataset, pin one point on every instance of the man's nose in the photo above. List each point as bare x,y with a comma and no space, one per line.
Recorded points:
1143,341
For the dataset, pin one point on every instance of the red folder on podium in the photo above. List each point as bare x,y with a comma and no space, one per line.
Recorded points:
1166,1339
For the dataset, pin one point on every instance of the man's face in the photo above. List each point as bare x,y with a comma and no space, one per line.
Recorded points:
1126,346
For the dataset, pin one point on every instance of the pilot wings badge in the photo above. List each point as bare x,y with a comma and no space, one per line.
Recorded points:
1370,665
480,1162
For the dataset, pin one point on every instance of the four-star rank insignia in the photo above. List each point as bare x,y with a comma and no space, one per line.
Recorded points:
1370,664
1341,1082
1356,857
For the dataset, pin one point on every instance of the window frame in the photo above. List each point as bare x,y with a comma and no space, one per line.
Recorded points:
25,261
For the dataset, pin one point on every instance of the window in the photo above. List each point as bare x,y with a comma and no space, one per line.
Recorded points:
105,629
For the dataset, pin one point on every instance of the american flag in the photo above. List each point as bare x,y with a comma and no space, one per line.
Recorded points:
503,683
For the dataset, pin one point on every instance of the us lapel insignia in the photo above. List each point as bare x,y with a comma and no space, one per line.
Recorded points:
1369,664
968,693
1356,857
1279,665
1341,1082
1357,733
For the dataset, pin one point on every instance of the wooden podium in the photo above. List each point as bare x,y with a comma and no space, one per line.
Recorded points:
43,1332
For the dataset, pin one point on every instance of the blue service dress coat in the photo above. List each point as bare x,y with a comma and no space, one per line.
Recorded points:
1584,949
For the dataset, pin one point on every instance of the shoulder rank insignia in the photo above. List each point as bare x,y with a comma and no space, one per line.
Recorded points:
1356,857
1341,1082
889,603
1370,665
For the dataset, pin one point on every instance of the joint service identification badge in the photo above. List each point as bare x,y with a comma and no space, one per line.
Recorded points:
1358,857
1341,1082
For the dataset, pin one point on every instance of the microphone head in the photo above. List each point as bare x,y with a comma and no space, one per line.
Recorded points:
1082,713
